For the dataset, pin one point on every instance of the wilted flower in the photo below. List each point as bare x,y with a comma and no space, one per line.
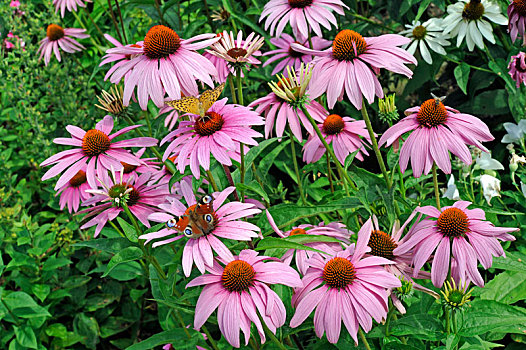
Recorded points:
517,67
490,187
237,51
517,19
112,102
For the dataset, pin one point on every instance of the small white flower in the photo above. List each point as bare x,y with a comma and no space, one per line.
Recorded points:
426,34
452,191
485,162
523,188
465,19
490,187
515,132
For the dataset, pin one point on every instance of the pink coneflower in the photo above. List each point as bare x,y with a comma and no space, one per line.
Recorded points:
74,191
237,51
351,65
223,222
163,64
437,130
14,3
239,291
457,232
383,245
97,149
71,5
140,197
303,15
172,115
517,67
114,57
517,19
219,132
56,37
334,229
284,103
344,134
148,165
345,287
289,56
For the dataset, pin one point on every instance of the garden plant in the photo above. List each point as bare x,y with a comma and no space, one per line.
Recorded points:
283,174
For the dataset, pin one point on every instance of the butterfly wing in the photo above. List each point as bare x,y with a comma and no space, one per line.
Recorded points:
187,104
208,97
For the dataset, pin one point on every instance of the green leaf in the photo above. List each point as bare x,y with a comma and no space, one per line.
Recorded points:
423,6
255,187
110,245
124,256
302,239
500,67
462,75
88,328
57,330
507,287
514,261
177,337
25,336
128,229
491,316
41,291
22,305
422,326
273,243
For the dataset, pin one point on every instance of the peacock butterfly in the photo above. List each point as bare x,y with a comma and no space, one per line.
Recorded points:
198,220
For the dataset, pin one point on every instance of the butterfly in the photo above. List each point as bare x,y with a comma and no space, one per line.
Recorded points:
196,105
199,220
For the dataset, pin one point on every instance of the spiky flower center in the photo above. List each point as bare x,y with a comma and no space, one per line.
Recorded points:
473,10
453,223
338,273
78,179
161,42
95,142
432,113
125,192
520,6
419,32
209,124
236,52
348,45
299,3
382,244
54,32
238,276
128,168
293,53
297,231
333,124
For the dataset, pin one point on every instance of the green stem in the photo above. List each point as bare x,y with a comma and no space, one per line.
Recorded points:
402,185
364,340
435,184
181,321
374,143
329,172
241,146
239,86
158,8
273,337
453,321
296,169
117,229
470,66
344,182
232,89
212,181
392,310
93,22
448,322
148,123
209,338
122,22
328,148
230,180
114,20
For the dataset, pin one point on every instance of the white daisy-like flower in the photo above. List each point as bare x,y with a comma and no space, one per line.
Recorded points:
423,35
465,19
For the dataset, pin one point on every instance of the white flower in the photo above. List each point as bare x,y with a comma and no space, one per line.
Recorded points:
515,132
485,162
523,188
452,191
490,187
465,19
426,34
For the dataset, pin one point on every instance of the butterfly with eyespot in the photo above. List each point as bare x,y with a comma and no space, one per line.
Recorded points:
196,222
199,106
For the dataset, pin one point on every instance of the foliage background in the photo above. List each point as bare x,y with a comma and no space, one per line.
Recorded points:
51,286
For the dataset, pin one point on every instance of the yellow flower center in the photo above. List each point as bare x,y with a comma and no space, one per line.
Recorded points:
238,276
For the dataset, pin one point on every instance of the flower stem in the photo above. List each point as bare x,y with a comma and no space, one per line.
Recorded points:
241,146
122,22
158,8
374,143
239,86
329,172
114,21
364,340
448,327
435,184
392,310
295,161
148,122
328,148
273,337
453,321
232,89
93,22
212,181
209,338
230,180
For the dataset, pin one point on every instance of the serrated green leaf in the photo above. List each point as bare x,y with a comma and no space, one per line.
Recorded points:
485,316
110,245
507,287
514,261
124,256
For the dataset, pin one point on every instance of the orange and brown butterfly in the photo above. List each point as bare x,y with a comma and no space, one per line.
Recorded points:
198,220
196,105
